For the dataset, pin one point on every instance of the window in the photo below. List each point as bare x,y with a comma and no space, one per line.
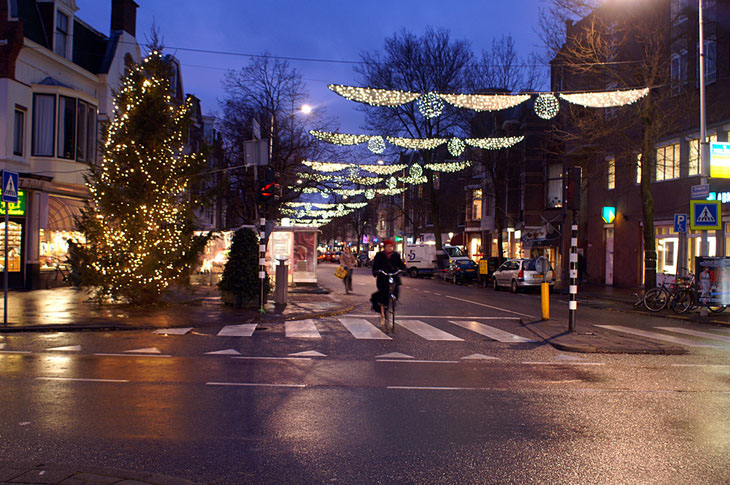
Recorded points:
91,131
173,79
476,204
710,61
638,168
694,154
667,162
679,70
61,34
611,180
13,9
44,117
66,127
18,132
555,186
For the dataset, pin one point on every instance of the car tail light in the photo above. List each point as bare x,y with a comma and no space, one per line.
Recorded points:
521,275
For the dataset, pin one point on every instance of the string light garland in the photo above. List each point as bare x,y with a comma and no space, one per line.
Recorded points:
455,146
319,205
374,96
448,167
340,179
396,191
607,99
383,169
430,105
485,102
546,106
331,167
343,139
416,143
494,143
325,166
376,144
413,180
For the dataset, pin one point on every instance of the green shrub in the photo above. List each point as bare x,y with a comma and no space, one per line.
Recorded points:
241,273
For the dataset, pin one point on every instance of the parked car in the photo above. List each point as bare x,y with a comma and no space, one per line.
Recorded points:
520,273
461,270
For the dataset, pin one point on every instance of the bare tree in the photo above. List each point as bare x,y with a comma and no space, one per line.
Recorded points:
433,62
614,46
270,92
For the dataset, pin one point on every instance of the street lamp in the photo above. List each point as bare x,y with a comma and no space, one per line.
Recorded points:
704,159
306,109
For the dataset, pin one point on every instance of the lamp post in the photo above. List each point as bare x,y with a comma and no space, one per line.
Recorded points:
703,152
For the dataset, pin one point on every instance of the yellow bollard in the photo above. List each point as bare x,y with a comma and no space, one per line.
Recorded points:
545,298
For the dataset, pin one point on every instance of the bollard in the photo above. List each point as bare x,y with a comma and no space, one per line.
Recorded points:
545,298
281,292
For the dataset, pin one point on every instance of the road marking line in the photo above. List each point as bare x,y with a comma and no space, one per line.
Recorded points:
702,365
148,350
490,306
301,329
426,331
491,332
434,388
658,336
420,361
245,330
696,333
272,358
15,352
103,354
561,363
362,329
439,316
173,331
79,379
253,384
69,348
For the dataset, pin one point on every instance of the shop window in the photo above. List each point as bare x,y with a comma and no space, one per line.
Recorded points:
555,186
54,248
66,127
15,237
18,132
611,176
667,162
476,204
44,116
61,34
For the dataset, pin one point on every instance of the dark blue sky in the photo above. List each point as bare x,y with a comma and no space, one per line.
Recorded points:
322,29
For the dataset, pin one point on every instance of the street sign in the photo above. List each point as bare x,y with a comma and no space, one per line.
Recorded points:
680,223
700,191
10,187
705,215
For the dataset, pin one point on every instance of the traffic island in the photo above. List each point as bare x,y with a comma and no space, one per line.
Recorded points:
596,341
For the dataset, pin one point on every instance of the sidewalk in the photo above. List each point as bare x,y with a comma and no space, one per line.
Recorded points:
42,473
67,309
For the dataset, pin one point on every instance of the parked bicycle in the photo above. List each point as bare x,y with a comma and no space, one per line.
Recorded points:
679,296
392,299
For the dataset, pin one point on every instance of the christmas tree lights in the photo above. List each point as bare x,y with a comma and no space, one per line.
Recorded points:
607,99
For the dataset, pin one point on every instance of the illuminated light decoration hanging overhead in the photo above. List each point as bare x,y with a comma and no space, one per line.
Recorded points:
383,169
353,172
325,195
397,191
494,143
340,179
337,167
416,171
391,183
376,144
485,102
413,180
325,166
319,205
455,146
369,194
449,167
417,143
344,139
546,106
608,99
430,105
349,192
374,96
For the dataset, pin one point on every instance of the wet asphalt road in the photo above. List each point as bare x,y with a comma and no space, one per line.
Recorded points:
522,413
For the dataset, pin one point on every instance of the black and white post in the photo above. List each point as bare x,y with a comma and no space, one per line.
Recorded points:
262,262
573,303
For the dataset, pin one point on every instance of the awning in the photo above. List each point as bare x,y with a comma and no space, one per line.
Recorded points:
63,212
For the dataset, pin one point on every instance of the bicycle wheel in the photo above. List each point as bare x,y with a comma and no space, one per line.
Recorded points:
655,299
682,301
390,317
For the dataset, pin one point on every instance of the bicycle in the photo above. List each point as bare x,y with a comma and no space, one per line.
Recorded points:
392,298
656,299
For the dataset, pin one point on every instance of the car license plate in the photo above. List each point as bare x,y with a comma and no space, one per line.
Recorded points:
537,276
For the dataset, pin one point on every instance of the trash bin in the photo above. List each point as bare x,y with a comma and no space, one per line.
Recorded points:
281,291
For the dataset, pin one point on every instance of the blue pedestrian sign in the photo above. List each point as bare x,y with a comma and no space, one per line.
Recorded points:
705,215
680,223
10,187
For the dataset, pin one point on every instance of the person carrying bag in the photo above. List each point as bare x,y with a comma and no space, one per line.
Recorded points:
348,261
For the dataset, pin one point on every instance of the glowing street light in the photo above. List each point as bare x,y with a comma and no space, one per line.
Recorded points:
306,109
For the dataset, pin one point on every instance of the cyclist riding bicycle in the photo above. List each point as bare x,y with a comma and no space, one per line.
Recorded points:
388,261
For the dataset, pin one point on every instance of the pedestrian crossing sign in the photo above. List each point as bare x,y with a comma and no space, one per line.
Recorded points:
10,187
705,215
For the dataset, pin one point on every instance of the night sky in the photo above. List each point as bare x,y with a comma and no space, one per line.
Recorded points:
319,29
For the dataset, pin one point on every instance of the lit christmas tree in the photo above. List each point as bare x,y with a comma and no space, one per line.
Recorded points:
140,222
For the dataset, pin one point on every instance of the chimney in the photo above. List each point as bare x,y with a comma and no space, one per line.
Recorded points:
124,16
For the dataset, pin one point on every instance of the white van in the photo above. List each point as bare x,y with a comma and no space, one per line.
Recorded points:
420,259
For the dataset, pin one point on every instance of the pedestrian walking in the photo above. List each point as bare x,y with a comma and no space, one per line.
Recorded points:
347,259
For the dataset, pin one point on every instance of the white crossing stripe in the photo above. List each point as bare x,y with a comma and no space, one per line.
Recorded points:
696,333
491,332
426,331
148,350
362,329
302,329
657,336
70,348
173,331
245,330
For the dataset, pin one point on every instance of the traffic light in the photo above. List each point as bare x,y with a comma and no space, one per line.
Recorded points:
572,188
268,189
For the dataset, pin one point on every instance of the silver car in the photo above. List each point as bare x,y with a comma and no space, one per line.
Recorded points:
520,273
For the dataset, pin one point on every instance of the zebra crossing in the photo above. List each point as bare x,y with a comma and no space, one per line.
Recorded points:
704,339
365,329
